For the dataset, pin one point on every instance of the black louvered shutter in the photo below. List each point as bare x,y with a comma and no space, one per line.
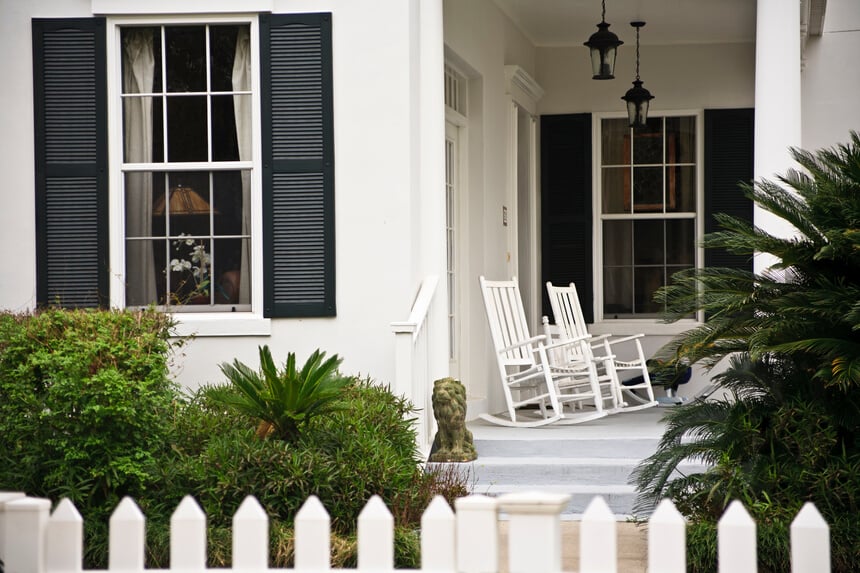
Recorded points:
70,92
566,249
298,165
729,161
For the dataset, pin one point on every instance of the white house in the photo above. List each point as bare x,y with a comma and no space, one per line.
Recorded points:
289,172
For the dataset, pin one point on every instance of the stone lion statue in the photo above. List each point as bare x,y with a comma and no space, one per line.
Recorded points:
453,442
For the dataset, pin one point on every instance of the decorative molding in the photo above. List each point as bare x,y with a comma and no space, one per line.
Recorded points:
523,88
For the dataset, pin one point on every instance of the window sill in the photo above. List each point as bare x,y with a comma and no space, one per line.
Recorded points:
627,327
221,324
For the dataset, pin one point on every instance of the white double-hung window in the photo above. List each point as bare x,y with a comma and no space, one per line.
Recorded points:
649,207
187,163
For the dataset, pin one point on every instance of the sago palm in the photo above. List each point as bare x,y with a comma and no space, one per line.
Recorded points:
789,430
284,400
807,305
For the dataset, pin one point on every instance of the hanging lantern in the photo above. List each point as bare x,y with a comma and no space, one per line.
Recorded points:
603,45
637,97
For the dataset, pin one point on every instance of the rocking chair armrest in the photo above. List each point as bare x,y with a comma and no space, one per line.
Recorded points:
566,342
522,343
625,339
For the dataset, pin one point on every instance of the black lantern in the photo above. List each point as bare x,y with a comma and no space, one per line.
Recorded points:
603,45
637,97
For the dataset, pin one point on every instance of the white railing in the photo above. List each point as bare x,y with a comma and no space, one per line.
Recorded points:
413,376
33,540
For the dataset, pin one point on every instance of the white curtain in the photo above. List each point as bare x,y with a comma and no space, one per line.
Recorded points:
138,68
242,111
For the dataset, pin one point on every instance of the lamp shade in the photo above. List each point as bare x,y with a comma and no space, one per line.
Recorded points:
603,45
638,100
182,201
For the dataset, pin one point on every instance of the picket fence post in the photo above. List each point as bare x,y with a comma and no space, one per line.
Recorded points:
188,536
127,537
534,530
313,536
438,537
27,519
477,534
667,540
810,541
64,539
375,536
736,541
250,536
598,539
5,496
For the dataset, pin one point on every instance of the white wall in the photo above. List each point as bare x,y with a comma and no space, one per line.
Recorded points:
830,78
375,188
482,40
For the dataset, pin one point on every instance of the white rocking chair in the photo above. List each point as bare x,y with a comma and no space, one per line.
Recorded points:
571,325
528,377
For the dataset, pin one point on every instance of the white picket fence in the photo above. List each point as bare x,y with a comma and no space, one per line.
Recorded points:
35,540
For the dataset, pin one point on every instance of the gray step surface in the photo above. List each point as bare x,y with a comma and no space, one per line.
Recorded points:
583,460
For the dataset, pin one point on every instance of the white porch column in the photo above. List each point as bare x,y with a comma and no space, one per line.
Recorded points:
777,100
432,175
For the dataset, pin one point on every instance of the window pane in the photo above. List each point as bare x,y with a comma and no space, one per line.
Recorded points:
680,140
616,189
227,273
617,292
229,188
648,143
680,242
186,64
681,189
616,142
187,205
647,189
144,260
225,146
646,282
617,242
186,129
222,58
648,242
142,129
141,60
142,191
189,270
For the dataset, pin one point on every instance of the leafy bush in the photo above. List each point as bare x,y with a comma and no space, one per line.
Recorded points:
87,412
84,403
790,431
366,447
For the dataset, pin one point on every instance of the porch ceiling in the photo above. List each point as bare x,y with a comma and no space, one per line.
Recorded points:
571,22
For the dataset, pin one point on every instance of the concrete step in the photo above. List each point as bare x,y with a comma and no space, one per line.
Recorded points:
638,448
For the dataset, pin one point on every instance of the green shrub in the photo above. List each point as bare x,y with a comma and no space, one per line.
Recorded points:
84,404
364,448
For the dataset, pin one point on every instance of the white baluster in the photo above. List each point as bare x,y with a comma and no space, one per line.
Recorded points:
736,541
810,541
64,539
6,496
250,536
375,536
188,536
127,537
477,534
667,540
438,537
313,536
598,539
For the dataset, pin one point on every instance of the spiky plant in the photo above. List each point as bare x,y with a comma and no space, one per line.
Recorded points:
789,430
284,400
